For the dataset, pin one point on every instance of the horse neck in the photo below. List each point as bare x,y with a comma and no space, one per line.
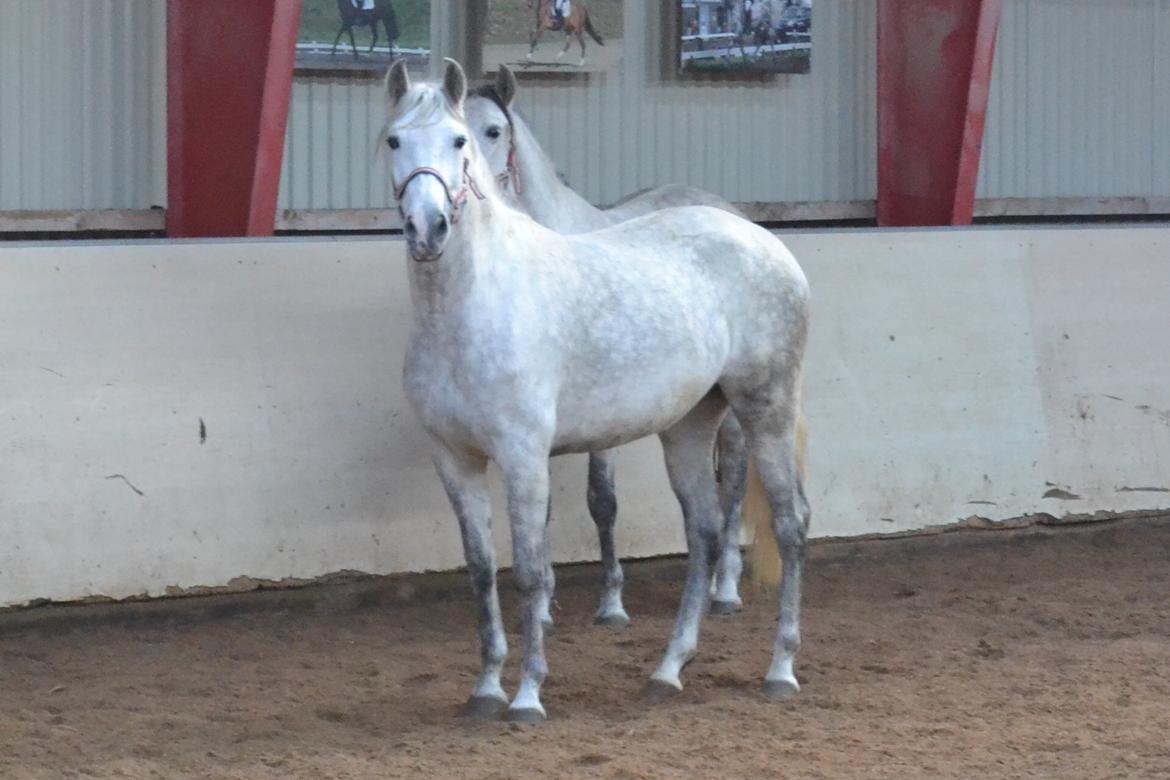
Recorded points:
542,194
442,289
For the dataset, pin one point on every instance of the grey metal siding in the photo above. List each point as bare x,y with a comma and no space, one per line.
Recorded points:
1080,108
82,104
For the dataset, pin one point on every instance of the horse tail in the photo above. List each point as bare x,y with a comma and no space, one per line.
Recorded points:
592,32
757,515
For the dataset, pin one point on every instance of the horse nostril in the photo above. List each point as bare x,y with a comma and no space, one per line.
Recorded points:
409,229
441,225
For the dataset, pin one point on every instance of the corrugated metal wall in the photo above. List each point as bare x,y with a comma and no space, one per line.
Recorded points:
798,138
1080,103
1080,108
82,104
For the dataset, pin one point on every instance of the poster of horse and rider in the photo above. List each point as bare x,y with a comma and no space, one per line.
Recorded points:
745,36
363,34
565,36
552,36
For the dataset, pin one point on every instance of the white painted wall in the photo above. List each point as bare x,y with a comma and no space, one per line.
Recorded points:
946,368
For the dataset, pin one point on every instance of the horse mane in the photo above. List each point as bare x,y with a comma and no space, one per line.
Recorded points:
490,92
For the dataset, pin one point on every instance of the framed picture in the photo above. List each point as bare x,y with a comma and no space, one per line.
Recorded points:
744,37
363,35
547,36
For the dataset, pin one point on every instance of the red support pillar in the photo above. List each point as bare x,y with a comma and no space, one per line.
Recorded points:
934,76
229,80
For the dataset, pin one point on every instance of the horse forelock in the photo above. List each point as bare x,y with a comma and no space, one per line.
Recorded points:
422,105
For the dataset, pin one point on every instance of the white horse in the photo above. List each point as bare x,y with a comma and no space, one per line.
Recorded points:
528,181
527,344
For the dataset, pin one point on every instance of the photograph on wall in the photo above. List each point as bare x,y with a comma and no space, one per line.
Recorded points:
745,36
553,36
363,34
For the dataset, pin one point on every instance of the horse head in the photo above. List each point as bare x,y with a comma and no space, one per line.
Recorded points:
430,156
489,116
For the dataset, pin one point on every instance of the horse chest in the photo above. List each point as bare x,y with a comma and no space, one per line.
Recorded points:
468,392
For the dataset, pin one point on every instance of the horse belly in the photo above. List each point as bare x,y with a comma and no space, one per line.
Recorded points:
621,401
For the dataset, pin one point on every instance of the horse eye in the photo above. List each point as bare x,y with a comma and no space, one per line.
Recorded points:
460,141
493,133
393,141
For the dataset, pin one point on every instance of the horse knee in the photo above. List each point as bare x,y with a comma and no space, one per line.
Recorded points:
711,540
791,531
482,579
529,579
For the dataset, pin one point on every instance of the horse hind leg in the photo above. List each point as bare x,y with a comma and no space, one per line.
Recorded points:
733,480
550,581
603,508
771,436
533,39
687,448
581,40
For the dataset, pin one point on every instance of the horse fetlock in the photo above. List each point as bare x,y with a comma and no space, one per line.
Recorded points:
788,641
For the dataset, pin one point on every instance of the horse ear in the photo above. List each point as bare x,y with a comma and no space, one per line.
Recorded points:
397,81
506,85
454,83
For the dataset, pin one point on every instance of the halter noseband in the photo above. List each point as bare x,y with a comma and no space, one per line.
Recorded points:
458,199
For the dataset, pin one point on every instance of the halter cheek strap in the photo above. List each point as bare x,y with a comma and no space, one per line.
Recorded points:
511,172
458,199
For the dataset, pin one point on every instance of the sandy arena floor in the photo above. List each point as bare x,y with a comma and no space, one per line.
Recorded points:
1037,653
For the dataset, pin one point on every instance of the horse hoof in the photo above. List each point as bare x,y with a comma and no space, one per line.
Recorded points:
484,708
780,690
616,622
529,715
725,607
657,692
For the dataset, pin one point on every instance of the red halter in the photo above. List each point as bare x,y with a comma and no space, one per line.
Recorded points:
511,172
458,200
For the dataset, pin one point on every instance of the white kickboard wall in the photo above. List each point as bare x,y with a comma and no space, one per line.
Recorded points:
950,373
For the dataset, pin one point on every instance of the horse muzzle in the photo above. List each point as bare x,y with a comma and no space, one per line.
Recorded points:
426,244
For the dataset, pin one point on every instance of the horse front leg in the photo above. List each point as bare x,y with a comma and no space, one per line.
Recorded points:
526,484
464,478
603,508
581,40
533,39
337,40
353,44
568,43
374,37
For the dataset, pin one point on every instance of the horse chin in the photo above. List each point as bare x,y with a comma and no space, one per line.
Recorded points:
424,256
